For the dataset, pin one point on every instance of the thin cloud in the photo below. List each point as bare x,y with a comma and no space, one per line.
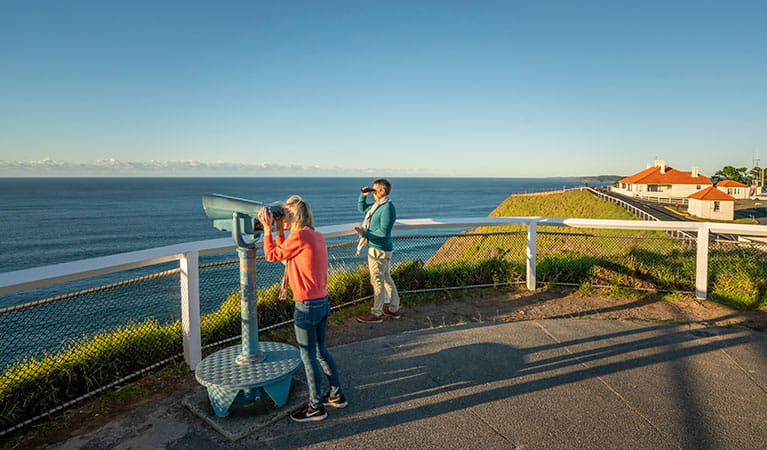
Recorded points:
115,167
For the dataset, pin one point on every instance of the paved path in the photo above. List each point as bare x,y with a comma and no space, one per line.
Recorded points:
532,384
663,211
658,210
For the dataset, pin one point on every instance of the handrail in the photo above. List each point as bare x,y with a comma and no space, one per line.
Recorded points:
187,255
21,280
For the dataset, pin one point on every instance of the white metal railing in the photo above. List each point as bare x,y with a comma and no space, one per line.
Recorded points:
188,254
662,198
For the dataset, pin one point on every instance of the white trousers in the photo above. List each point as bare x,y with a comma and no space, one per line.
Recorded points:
384,290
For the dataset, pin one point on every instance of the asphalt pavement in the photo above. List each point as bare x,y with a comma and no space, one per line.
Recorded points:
530,384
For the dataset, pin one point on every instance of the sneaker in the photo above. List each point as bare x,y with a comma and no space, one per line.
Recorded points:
308,414
369,318
336,401
393,315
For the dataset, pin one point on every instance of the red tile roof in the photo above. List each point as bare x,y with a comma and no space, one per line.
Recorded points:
730,183
652,175
711,193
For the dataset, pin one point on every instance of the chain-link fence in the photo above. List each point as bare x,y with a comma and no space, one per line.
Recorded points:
60,350
738,273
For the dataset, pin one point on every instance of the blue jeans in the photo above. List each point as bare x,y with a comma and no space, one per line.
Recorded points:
310,320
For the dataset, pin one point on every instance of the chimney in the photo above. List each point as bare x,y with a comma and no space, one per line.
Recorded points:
694,172
662,164
648,166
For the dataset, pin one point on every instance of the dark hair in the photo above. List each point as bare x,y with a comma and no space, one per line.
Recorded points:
385,183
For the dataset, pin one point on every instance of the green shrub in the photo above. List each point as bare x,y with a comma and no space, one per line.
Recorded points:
565,268
35,385
737,289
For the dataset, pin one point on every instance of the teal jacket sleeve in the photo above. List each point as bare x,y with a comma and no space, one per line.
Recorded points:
363,206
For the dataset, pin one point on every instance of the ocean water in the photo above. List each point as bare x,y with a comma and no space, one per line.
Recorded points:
53,220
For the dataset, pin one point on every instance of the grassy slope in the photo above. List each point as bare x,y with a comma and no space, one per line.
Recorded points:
628,258
575,204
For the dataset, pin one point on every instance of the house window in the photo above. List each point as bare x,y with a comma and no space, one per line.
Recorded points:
716,206
697,188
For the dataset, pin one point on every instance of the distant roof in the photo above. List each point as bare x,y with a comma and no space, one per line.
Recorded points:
730,183
652,175
711,193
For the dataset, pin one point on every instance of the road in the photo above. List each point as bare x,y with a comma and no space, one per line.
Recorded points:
661,211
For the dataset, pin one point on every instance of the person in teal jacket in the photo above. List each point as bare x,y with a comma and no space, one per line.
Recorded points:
375,232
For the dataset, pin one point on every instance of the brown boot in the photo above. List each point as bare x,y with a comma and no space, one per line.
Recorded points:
393,315
369,318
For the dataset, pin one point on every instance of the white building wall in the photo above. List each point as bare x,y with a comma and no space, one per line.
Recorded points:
676,190
737,192
618,189
673,191
705,209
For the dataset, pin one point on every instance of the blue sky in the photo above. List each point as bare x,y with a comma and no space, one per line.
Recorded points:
412,88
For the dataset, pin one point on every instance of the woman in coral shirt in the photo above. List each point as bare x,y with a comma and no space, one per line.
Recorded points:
307,273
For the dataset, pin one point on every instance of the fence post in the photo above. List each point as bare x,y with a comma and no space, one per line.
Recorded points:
701,263
190,308
531,254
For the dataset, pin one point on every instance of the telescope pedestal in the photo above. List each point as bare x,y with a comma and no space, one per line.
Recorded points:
252,369
228,381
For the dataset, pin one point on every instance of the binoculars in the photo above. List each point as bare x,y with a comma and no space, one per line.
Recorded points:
237,214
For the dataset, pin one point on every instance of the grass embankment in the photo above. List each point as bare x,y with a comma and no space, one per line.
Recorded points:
619,258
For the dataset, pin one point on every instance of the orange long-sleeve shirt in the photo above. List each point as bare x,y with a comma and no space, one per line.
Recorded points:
307,261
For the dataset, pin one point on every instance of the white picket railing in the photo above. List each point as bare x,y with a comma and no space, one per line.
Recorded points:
187,254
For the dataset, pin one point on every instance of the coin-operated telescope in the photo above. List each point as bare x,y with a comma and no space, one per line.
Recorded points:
252,369
238,215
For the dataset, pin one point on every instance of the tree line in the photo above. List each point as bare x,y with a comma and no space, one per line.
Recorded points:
741,175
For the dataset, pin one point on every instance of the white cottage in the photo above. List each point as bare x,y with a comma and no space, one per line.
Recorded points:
732,187
662,181
711,203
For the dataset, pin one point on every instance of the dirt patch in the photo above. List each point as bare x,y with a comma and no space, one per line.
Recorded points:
476,306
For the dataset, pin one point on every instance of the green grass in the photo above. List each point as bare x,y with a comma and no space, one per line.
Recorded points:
737,277
36,384
618,258
551,241
573,204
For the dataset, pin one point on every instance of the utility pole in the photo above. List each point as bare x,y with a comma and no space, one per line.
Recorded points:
759,181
